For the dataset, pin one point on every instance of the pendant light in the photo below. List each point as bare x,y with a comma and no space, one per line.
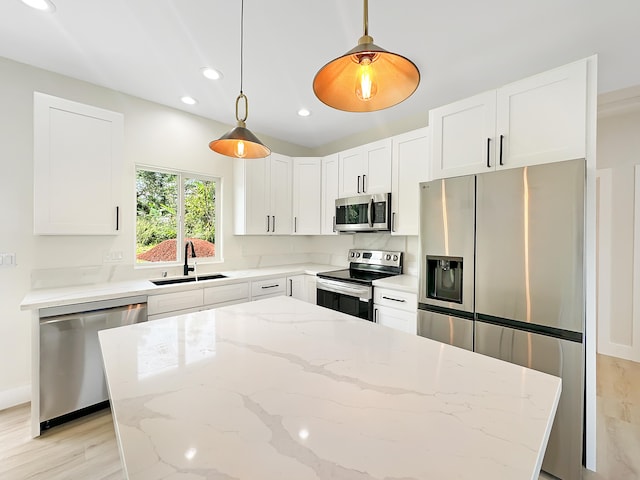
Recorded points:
240,142
366,78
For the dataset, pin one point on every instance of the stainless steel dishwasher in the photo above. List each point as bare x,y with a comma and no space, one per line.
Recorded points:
72,379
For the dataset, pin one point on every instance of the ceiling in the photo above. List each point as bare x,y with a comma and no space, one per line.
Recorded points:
155,49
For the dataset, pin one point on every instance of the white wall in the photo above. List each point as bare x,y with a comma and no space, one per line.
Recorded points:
618,234
154,135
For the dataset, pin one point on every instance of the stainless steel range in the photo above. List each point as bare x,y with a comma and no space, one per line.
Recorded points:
351,290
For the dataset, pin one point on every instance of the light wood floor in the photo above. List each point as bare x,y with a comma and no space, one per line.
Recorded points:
84,449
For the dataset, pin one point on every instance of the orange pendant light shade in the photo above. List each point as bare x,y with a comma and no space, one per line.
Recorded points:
366,78
240,142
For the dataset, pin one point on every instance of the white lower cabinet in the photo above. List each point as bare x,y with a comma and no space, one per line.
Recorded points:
177,303
396,309
302,287
169,304
223,295
272,287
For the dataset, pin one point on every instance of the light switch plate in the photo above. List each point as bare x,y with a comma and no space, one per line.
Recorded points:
113,256
7,260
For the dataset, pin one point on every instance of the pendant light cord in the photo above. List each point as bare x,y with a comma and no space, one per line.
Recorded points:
242,43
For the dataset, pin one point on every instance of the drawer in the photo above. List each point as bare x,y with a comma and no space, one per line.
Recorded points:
226,293
171,302
395,299
272,287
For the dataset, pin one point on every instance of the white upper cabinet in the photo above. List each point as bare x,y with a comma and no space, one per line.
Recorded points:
78,159
307,183
410,166
262,201
540,119
329,194
365,169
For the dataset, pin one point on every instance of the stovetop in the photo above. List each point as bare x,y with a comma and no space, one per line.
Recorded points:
365,266
355,276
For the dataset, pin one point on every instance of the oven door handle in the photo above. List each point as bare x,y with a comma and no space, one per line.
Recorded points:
364,293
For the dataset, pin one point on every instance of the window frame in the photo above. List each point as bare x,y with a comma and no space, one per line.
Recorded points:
181,176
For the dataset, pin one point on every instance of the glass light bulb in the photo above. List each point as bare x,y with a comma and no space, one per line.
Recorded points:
366,86
240,150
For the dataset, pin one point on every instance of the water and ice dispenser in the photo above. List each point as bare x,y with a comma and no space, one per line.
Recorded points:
444,278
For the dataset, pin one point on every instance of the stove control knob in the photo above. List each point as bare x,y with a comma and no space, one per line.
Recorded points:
387,257
395,258
358,255
353,254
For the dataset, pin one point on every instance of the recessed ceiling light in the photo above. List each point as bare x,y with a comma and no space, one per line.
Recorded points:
211,73
189,100
42,5
303,112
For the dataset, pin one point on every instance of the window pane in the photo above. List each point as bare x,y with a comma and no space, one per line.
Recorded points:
200,215
156,217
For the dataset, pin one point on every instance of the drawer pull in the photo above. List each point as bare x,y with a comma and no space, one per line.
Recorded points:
270,286
394,299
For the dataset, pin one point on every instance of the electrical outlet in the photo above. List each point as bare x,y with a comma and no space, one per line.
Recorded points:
113,256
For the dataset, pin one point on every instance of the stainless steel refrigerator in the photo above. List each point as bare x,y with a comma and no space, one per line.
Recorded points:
502,273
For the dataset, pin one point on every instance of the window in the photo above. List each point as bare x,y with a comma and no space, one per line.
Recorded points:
172,206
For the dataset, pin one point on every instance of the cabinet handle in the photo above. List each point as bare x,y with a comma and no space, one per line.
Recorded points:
364,190
267,223
393,222
117,218
270,286
394,299
375,315
273,229
290,288
501,138
358,183
488,152
295,224
334,223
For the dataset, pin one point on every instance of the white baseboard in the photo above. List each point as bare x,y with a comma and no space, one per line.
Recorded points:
15,396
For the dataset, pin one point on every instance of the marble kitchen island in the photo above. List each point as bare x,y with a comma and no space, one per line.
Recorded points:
282,389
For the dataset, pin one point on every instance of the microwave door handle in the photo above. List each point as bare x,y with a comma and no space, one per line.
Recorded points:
370,213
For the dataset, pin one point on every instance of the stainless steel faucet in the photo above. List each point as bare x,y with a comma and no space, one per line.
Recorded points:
187,268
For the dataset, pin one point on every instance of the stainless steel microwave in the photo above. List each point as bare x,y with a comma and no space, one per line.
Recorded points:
364,213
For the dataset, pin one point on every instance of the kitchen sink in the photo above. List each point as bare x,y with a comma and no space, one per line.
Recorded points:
199,278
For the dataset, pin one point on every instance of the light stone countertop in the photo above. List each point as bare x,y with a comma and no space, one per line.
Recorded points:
405,283
54,297
280,389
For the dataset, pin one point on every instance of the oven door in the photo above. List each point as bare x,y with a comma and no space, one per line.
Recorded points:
349,298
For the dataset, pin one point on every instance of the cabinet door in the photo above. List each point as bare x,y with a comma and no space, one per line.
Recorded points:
78,157
329,194
351,169
257,196
394,318
377,164
296,287
409,167
542,119
307,173
463,136
310,287
280,195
